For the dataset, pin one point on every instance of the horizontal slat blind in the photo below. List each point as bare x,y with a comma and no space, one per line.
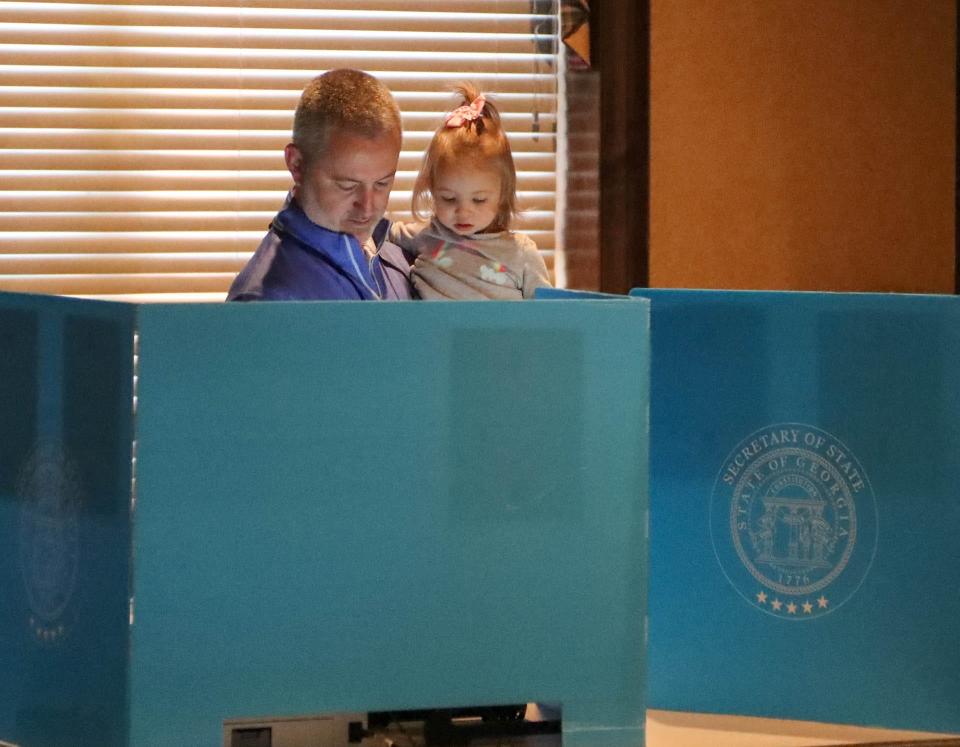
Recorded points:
141,144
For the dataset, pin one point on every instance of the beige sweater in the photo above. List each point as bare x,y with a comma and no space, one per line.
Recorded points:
504,265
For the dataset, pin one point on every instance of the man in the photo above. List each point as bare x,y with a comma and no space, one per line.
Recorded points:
327,241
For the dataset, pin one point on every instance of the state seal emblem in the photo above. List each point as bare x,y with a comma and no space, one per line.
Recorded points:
793,521
49,539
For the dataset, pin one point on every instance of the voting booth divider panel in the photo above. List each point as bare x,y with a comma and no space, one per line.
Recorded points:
320,507
804,507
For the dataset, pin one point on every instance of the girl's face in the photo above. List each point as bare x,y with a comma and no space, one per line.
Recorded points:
465,198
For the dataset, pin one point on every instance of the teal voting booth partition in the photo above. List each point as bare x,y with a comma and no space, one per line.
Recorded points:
805,506
319,507
66,431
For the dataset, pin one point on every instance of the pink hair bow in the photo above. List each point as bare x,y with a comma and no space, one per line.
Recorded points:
466,113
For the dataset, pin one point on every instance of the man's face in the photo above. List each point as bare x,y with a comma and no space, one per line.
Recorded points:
346,188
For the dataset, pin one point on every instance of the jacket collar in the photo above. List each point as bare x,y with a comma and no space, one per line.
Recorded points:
343,250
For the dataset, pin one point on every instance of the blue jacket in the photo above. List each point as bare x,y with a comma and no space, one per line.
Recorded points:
299,260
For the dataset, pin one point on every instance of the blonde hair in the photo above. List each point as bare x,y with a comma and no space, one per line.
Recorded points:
346,99
480,141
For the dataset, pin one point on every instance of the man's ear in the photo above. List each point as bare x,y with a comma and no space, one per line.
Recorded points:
294,159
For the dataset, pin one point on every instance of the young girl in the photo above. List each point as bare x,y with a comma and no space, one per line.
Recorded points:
468,184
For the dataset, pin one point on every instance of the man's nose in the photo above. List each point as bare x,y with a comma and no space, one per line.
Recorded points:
364,199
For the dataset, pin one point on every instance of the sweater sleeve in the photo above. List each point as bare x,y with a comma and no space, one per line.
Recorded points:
407,236
535,274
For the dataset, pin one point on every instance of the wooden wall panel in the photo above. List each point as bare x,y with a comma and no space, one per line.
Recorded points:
620,50
803,144
581,248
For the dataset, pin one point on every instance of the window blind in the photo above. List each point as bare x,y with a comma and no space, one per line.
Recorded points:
141,145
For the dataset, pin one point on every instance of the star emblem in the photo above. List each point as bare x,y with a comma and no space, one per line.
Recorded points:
807,608
792,608
762,597
822,602
776,604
